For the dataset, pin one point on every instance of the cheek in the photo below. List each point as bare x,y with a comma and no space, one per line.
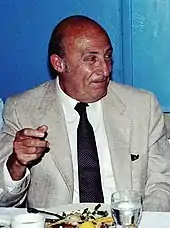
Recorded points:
80,77
84,72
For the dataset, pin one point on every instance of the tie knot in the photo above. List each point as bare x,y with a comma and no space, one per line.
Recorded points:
81,107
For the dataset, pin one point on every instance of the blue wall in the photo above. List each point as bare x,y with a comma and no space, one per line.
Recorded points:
151,29
146,46
25,29
139,31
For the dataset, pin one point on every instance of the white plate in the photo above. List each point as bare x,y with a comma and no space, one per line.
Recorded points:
7,213
78,206
149,219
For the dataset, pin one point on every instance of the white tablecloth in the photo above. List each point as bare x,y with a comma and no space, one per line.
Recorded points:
155,220
149,219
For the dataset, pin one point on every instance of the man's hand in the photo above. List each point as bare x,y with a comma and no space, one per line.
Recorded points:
28,146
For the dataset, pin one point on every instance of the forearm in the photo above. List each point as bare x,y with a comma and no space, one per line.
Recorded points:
12,193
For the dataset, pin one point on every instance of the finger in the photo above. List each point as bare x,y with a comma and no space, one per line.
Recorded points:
28,132
31,142
25,159
22,150
42,128
30,150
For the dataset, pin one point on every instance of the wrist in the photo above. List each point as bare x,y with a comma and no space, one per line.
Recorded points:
16,169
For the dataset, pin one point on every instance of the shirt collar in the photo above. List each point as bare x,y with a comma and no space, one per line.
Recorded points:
69,104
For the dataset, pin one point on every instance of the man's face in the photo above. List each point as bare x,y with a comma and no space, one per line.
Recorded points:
88,63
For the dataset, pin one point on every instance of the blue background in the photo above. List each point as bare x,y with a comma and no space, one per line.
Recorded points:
139,31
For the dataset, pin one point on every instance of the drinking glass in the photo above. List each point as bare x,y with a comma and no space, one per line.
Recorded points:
126,208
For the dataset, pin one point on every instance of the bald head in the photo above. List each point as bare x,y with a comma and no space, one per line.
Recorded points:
72,27
80,53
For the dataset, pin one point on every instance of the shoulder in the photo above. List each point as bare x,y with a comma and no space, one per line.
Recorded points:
130,95
33,95
30,99
136,101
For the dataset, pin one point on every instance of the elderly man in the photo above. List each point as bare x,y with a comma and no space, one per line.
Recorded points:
48,154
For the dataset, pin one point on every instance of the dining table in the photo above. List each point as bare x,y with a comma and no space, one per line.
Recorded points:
148,220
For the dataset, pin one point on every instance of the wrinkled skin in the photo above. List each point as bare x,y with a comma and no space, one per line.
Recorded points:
87,63
28,146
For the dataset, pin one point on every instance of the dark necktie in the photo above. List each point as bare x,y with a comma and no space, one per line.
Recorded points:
90,188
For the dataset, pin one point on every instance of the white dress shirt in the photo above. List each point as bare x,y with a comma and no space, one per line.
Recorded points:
94,113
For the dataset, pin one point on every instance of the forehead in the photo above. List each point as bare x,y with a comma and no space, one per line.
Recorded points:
92,39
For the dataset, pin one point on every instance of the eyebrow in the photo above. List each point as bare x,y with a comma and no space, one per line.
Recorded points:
109,49
95,52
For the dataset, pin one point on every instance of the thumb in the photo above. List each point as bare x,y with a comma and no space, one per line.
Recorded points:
42,128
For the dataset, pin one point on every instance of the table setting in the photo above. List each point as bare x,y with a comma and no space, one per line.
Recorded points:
125,210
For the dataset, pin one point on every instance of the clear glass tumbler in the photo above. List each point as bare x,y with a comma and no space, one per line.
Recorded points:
126,208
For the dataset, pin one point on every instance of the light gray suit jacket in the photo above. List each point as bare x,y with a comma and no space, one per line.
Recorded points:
134,125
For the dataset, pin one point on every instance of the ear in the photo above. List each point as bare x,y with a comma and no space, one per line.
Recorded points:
57,63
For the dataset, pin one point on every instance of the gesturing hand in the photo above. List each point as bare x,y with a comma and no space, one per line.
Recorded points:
29,145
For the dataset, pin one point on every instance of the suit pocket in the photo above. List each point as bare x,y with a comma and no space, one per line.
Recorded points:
134,157
139,172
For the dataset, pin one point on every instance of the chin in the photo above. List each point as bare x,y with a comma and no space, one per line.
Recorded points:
99,96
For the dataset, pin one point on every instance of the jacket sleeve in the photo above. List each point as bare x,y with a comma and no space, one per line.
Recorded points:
7,135
157,192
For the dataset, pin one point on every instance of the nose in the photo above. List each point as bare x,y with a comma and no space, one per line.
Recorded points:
106,67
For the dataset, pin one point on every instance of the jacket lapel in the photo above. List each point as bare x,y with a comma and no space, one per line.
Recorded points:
118,129
52,115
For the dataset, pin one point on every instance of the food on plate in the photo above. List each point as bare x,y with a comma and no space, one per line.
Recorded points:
87,224
84,219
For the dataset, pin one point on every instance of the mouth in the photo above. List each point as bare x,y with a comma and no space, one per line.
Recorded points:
99,84
101,81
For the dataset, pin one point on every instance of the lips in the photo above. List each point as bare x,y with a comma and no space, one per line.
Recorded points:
105,79
99,84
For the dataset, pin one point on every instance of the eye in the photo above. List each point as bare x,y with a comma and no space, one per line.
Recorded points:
108,56
90,59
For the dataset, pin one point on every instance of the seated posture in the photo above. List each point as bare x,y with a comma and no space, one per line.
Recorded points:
1,108
80,136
